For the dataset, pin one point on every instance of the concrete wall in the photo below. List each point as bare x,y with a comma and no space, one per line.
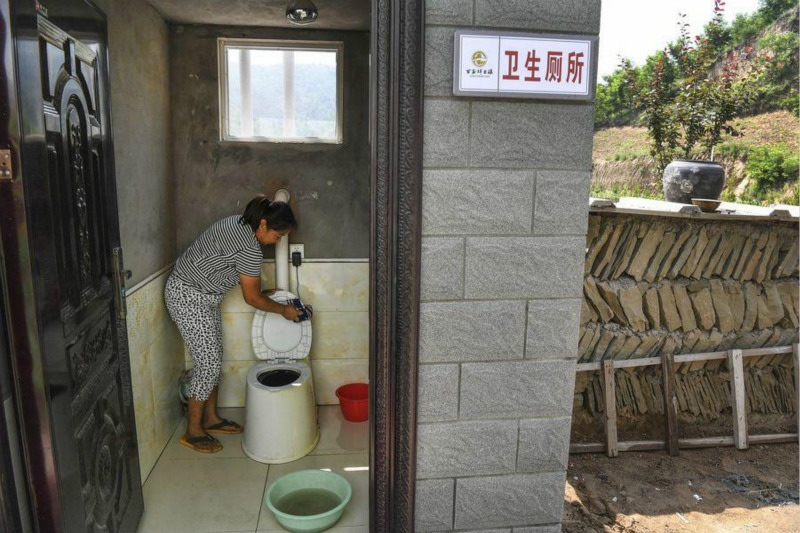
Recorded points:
139,72
329,182
505,195
140,113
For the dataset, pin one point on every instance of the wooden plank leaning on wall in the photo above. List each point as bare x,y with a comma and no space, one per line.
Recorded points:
740,439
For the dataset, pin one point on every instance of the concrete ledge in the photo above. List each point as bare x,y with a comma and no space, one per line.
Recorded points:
726,210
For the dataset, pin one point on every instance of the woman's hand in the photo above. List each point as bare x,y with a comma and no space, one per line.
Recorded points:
290,313
251,291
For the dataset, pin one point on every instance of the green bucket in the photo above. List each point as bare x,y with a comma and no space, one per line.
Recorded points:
293,496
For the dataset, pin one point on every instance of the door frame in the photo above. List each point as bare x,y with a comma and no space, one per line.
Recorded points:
396,120
17,275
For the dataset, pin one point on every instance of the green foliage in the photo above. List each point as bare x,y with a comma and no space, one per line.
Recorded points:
728,195
686,118
618,191
732,149
612,104
719,37
794,196
770,167
786,195
771,10
628,155
780,81
779,87
772,172
745,28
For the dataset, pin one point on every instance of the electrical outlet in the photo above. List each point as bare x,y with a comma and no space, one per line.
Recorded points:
297,248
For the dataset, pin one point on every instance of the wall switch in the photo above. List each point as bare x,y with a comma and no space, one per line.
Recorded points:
297,248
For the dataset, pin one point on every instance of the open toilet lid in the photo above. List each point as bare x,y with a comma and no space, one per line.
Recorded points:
274,337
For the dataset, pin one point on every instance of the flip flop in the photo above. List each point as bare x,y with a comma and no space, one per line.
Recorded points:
220,428
193,442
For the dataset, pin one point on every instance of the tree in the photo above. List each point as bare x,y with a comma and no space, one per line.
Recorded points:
612,102
690,120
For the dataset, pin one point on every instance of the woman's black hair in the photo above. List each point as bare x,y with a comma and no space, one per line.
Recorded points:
279,215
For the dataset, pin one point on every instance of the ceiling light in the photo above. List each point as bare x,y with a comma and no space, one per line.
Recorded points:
301,12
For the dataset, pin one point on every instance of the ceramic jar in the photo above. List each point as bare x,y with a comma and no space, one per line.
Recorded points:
685,179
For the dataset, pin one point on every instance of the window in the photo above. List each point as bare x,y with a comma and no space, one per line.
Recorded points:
280,91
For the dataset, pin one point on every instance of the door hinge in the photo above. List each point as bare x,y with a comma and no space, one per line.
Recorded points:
6,174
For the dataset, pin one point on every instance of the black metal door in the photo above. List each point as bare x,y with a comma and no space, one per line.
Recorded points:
74,376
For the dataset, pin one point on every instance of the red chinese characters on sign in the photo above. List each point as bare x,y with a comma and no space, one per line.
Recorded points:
553,66
575,67
513,62
554,71
532,64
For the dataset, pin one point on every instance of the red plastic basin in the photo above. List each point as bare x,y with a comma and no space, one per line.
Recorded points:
354,401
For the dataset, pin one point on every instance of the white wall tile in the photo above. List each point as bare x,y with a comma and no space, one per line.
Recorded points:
156,359
331,374
237,344
328,286
147,314
142,385
166,367
340,335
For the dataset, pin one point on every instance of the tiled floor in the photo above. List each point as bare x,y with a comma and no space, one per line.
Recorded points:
223,492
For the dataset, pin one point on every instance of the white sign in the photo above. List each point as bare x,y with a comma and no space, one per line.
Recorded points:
523,65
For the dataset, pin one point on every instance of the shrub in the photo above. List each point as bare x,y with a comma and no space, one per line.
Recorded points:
770,167
733,150
612,105
746,27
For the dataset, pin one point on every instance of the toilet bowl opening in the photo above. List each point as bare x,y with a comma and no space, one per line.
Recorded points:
278,378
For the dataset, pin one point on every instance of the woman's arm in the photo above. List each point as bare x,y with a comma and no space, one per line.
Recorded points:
251,290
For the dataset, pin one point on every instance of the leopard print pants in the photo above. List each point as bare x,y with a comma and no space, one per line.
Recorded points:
198,318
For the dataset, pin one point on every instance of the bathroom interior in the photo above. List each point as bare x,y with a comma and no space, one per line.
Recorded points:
212,103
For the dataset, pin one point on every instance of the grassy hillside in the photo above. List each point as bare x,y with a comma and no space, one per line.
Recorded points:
760,165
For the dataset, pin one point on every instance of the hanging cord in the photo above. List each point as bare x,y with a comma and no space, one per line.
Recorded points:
297,282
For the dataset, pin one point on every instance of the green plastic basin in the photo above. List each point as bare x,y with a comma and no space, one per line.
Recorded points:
305,480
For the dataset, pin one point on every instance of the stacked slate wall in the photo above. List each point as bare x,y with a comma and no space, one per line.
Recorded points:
656,284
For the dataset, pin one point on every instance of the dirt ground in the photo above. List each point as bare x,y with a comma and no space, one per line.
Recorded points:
712,490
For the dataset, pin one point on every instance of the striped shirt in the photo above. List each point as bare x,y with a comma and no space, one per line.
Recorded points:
213,262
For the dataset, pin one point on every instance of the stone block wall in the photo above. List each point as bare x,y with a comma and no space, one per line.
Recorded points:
655,284
505,196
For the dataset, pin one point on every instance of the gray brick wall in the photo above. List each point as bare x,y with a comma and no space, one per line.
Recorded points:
505,194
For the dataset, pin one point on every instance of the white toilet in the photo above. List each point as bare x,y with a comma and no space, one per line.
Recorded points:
280,411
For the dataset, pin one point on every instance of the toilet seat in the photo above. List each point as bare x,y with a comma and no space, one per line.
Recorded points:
277,339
